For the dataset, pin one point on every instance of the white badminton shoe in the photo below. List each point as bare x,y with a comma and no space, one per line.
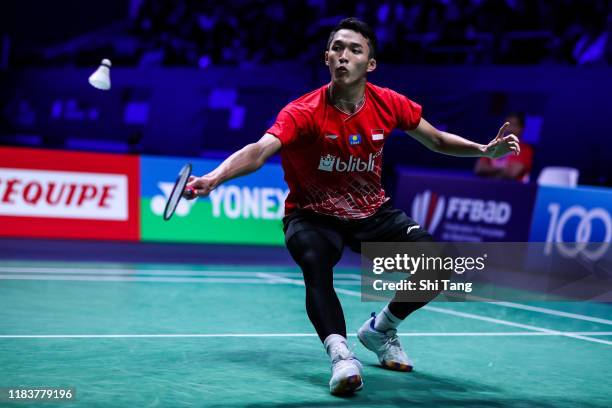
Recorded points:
386,345
346,372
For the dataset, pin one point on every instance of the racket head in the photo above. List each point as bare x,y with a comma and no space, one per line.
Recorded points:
177,191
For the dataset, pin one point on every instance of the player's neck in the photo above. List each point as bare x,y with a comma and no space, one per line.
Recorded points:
347,98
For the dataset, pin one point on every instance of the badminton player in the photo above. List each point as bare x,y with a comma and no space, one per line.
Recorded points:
331,142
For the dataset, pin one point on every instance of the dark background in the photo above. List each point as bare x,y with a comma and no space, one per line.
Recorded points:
198,78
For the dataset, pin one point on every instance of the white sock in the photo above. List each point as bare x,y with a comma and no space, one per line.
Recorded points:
336,344
386,321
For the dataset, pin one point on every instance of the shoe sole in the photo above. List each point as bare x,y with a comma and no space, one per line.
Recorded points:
348,385
395,366
389,365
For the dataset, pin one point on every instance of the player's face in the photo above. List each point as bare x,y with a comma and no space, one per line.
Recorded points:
347,57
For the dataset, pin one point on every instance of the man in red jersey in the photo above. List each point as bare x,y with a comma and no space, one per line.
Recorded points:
331,143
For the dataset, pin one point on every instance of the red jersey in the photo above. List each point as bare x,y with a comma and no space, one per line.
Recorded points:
333,160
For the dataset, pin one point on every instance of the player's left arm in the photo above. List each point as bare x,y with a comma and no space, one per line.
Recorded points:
454,145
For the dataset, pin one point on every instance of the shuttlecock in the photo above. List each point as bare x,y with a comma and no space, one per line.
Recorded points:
101,78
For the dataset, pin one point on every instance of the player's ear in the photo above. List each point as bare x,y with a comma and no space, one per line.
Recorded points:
327,58
371,65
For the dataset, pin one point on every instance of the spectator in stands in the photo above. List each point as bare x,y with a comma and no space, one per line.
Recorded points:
512,166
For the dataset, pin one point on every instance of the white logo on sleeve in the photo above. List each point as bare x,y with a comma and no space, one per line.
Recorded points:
412,227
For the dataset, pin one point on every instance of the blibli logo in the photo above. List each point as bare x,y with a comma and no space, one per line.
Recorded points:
332,163
327,163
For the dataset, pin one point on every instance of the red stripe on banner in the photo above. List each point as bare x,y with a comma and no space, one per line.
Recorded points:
55,227
431,209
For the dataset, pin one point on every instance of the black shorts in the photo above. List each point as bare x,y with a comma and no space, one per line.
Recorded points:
388,224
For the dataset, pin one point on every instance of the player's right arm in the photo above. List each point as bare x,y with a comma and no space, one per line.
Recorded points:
246,160
290,122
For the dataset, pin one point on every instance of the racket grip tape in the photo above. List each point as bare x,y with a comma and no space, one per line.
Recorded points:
189,193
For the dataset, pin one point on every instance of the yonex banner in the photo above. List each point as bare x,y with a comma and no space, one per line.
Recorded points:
466,209
47,193
247,210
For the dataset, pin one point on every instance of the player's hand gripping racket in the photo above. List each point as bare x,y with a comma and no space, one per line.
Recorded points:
179,191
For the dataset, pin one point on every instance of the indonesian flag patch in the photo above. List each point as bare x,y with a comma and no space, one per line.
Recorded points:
378,134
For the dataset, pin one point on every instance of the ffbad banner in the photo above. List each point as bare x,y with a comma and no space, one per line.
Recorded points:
466,209
46,193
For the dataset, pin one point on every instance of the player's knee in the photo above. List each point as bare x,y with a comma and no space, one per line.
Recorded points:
315,260
320,289
308,255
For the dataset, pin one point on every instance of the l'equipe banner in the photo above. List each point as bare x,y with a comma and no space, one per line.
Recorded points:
247,210
466,209
58,194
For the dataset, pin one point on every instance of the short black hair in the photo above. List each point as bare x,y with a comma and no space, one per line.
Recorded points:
520,116
358,26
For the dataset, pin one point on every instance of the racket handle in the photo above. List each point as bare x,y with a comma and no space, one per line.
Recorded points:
189,193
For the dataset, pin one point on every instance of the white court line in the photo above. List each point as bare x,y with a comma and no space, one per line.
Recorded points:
271,278
162,272
552,312
255,335
234,273
476,317
513,324
539,309
135,279
167,279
